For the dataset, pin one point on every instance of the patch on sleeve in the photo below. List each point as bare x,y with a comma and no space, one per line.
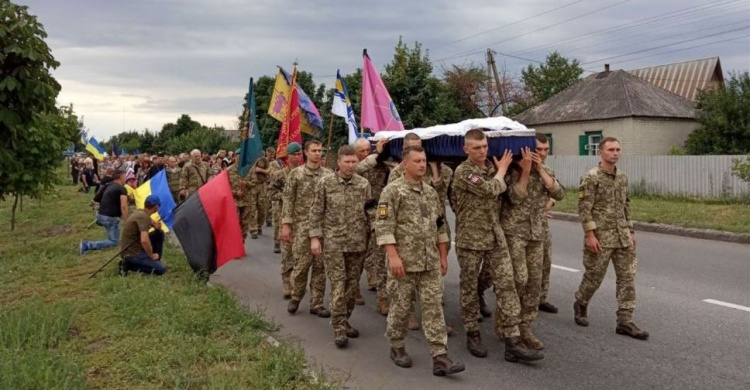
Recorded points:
383,211
581,194
475,179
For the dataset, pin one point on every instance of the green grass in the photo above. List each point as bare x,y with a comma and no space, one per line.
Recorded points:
61,330
731,216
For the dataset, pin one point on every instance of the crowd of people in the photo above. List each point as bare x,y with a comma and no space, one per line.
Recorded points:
389,218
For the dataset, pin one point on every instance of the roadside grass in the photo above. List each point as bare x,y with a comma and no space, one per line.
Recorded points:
718,214
61,330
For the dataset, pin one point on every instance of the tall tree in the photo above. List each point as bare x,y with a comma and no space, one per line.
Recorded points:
34,131
546,80
724,118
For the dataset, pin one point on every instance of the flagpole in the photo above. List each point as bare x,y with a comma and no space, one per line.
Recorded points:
330,134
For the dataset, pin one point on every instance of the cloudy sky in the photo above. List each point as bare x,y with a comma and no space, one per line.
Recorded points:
140,63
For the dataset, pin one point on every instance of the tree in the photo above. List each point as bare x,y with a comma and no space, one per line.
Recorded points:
34,131
203,138
724,119
546,80
741,168
469,87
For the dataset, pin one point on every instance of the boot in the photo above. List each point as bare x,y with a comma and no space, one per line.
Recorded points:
292,306
321,312
383,306
629,328
516,352
340,338
528,338
358,298
474,344
442,366
287,287
268,224
254,236
276,247
449,331
413,322
399,356
372,281
483,310
351,332
260,231
548,307
580,314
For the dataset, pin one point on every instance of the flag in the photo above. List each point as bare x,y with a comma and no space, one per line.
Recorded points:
115,151
159,186
310,122
342,107
93,147
290,127
378,111
250,143
208,226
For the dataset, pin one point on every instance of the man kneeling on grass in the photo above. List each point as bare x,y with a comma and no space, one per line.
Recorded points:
141,250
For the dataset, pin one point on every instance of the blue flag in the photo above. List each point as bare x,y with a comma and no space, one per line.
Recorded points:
250,144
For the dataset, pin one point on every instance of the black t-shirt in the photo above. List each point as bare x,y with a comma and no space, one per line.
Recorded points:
110,204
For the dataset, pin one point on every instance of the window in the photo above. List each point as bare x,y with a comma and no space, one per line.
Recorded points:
588,143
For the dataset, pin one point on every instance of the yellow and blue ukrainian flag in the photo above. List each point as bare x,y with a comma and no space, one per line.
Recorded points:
159,186
93,147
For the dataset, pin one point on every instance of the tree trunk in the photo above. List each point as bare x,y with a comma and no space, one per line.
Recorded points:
13,214
21,205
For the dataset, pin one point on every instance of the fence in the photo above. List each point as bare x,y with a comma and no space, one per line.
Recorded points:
698,176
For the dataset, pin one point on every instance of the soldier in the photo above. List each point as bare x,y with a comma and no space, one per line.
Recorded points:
480,240
295,220
411,228
241,192
194,174
339,219
542,148
173,178
530,186
273,166
376,172
604,207
256,182
278,181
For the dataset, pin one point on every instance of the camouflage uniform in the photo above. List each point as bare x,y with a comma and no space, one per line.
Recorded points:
480,242
296,202
273,167
173,178
408,216
338,218
193,176
523,222
256,183
377,175
240,185
278,181
546,262
604,207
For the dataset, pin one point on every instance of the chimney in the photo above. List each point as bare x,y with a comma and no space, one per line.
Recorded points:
606,67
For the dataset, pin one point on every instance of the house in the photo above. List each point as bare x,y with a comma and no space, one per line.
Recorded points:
685,78
645,118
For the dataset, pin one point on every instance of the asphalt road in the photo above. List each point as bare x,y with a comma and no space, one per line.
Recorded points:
694,344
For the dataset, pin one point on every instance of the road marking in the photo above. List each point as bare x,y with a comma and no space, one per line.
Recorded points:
565,268
727,304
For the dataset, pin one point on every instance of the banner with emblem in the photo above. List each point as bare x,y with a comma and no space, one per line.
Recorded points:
251,147
378,111
310,121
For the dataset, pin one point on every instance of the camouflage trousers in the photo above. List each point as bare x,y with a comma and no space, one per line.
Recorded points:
269,207
257,208
498,264
276,209
624,262
429,286
306,265
527,271
546,268
376,263
343,270
244,213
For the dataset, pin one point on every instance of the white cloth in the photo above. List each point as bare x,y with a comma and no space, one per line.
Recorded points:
499,127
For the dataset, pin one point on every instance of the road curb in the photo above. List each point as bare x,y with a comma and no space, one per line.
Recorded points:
706,234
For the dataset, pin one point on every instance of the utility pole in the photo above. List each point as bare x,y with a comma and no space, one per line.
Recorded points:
491,101
500,86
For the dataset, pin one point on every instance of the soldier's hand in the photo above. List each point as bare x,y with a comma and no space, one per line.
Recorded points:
380,145
632,238
536,160
183,193
504,162
525,159
592,243
397,267
315,246
286,233
443,266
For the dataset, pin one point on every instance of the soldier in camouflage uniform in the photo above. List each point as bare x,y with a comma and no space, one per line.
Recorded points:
604,208
273,166
523,218
173,178
411,227
278,181
194,174
339,226
542,148
241,192
257,179
295,220
475,194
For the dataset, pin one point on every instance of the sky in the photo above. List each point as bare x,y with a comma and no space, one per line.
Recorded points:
137,64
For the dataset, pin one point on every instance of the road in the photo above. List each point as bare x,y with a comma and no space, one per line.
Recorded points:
694,344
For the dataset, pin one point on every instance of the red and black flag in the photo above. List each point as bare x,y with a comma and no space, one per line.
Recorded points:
208,226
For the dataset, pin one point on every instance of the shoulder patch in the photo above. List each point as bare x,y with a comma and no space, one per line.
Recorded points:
581,194
383,211
475,179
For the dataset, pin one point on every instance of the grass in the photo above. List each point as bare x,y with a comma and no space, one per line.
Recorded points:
731,216
61,330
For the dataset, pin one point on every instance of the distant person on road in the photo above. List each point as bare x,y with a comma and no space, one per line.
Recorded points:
113,207
141,250
604,208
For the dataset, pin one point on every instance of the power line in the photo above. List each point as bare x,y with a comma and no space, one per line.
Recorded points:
685,48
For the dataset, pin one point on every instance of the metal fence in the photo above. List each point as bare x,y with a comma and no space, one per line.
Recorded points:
697,176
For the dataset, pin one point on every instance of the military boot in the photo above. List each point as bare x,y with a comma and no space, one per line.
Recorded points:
268,224
358,300
286,285
372,281
629,328
442,366
260,231
340,338
254,236
548,307
581,315
413,322
449,331
474,344
528,338
383,306
483,309
276,247
351,332
515,351
319,311
399,356
292,306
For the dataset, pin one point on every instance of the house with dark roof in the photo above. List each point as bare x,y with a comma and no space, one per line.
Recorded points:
645,118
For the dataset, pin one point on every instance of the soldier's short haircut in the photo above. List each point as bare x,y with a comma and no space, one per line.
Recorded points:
411,149
475,135
271,150
411,137
542,138
311,142
346,150
606,140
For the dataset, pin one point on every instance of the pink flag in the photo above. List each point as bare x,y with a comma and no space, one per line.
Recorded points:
378,111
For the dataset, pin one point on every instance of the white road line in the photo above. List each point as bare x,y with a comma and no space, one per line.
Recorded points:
565,268
727,304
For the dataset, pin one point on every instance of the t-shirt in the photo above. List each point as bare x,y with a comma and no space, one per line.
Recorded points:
138,222
110,204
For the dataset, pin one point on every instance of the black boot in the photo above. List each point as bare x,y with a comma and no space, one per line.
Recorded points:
474,344
515,351
442,366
